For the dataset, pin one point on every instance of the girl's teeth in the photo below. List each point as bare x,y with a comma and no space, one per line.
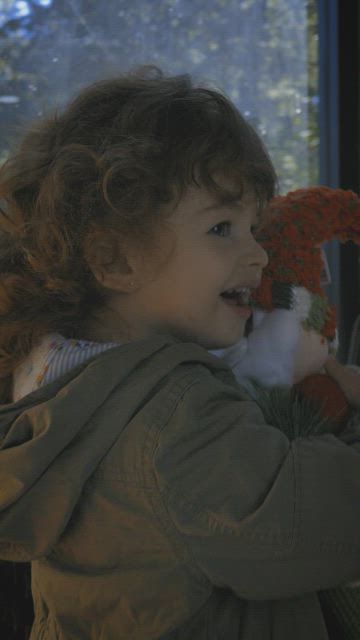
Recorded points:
241,295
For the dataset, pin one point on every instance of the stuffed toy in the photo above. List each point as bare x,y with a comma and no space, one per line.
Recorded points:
293,329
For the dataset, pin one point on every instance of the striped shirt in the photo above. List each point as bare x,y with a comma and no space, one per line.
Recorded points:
52,357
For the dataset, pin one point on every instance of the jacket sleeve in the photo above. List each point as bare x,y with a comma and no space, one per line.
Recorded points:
263,516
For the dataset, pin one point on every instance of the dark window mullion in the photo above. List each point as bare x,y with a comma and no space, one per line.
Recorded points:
349,139
339,69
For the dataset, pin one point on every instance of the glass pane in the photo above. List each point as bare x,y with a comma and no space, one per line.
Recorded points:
262,53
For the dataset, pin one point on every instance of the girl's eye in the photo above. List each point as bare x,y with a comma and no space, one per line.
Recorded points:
222,229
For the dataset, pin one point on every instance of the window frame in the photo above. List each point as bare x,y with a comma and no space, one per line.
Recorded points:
339,126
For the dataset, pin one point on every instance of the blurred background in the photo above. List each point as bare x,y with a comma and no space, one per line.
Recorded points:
291,66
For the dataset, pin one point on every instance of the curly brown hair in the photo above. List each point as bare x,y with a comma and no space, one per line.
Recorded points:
105,167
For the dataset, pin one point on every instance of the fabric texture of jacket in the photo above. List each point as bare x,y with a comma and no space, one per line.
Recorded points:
155,504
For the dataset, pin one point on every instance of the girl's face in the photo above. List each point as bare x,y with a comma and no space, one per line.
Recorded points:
212,251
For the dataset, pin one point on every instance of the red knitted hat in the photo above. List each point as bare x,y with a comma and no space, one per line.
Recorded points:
295,226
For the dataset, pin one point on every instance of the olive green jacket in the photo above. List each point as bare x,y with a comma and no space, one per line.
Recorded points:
155,503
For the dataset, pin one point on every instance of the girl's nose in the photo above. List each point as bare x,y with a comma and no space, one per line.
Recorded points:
258,256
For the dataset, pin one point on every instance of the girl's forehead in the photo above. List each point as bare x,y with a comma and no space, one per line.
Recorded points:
203,198
199,205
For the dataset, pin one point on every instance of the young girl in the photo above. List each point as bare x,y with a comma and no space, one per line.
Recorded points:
144,486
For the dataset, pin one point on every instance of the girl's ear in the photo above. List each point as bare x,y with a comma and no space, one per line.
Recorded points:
112,267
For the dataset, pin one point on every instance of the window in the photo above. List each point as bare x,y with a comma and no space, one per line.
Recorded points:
261,53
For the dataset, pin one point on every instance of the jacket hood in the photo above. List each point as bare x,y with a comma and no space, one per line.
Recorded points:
52,439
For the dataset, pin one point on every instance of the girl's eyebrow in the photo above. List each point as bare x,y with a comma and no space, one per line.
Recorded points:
221,204
224,202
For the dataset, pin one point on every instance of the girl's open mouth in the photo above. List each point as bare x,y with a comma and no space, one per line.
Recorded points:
237,297
238,300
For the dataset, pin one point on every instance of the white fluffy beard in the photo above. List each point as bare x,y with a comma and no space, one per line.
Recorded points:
267,353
